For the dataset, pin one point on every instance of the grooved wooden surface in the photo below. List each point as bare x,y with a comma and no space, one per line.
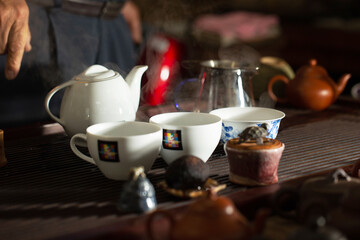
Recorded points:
46,191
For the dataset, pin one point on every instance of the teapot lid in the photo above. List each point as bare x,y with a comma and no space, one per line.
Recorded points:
312,69
212,206
96,73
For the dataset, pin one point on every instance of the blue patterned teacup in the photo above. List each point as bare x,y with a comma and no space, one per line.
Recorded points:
236,119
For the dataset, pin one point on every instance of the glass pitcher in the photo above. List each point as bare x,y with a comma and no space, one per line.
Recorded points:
224,83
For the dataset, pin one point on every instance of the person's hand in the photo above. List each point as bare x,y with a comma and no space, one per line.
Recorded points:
14,34
132,16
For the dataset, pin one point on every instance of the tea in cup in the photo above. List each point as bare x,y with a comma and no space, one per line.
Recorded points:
117,147
188,133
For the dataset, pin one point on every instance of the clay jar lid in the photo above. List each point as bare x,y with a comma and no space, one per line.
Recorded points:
268,143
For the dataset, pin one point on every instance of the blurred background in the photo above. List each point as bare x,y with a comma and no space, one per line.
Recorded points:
179,34
294,31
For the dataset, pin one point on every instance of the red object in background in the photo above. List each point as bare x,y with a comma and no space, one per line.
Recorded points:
162,55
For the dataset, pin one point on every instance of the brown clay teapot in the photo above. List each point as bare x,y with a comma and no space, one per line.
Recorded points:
317,196
211,217
312,88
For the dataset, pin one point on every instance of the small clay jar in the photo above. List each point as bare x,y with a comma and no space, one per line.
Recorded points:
254,164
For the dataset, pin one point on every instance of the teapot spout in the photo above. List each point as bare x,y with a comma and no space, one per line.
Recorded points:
342,83
133,79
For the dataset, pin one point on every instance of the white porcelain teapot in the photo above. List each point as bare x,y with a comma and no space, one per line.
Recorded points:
97,95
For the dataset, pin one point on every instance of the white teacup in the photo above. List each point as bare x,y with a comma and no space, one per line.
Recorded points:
117,147
188,133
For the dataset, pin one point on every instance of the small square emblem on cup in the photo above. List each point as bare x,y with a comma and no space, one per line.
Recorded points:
108,151
172,139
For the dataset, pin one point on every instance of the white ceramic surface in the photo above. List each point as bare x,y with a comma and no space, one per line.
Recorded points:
188,133
97,95
236,119
117,147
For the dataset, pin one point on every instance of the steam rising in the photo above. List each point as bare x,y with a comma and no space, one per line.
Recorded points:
245,55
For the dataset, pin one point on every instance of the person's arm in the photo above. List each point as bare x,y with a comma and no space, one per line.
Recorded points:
14,34
132,16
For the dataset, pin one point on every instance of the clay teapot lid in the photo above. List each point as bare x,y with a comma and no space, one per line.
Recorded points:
212,217
312,70
213,204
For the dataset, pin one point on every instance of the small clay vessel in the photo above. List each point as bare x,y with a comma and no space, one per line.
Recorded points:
254,164
312,88
211,217
318,196
138,194
187,172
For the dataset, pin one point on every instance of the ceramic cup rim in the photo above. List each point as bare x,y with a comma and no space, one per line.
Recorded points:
233,119
94,130
163,119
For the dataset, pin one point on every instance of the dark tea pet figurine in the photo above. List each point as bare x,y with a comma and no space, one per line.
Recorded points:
255,133
138,194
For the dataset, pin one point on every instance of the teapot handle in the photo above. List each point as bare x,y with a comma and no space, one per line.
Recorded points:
149,225
49,96
76,150
272,81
